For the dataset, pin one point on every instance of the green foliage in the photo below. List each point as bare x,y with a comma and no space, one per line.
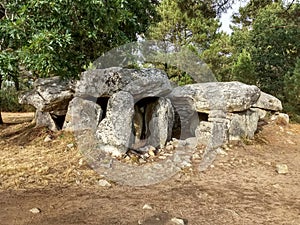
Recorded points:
292,92
54,37
191,24
9,100
219,57
275,40
249,13
266,49
183,23
8,65
243,70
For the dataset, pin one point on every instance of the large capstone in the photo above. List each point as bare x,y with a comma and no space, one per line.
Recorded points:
268,102
49,95
205,97
139,83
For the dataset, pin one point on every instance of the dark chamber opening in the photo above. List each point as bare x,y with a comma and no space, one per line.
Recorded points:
141,118
58,120
202,116
102,101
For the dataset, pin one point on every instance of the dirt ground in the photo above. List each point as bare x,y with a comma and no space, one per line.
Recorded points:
242,186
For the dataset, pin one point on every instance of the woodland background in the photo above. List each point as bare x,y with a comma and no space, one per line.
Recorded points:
48,38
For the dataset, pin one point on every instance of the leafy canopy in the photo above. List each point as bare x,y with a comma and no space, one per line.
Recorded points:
59,37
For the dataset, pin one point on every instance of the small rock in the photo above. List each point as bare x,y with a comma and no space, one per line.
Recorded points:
127,158
268,163
104,183
151,148
196,156
162,157
70,146
169,147
277,186
281,119
142,161
221,151
186,164
145,156
290,142
178,221
147,207
151,152
48,138
192,142
175,142
81,162
35,210
282,169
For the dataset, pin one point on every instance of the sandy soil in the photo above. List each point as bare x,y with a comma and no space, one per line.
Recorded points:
242,187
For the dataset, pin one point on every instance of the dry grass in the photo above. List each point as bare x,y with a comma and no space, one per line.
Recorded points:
26,161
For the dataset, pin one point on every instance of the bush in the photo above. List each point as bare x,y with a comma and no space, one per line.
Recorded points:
9,101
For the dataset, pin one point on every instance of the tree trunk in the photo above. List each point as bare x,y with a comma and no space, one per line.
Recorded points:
17,83
1,120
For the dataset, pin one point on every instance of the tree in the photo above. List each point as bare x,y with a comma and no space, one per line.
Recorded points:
268,46
52,37
292,91
184,23
219,57
244,70
276,47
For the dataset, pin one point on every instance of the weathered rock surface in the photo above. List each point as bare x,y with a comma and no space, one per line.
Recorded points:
282,169
203,132
243,125
281,119
124,110
50,95
225,96
188,117
82,114
268,102
44,119
115,130
159,118
139,83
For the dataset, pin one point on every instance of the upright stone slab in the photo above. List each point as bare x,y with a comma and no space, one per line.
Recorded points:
204,132
44,119
243,124
82,114
219,132
159,118
114,132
